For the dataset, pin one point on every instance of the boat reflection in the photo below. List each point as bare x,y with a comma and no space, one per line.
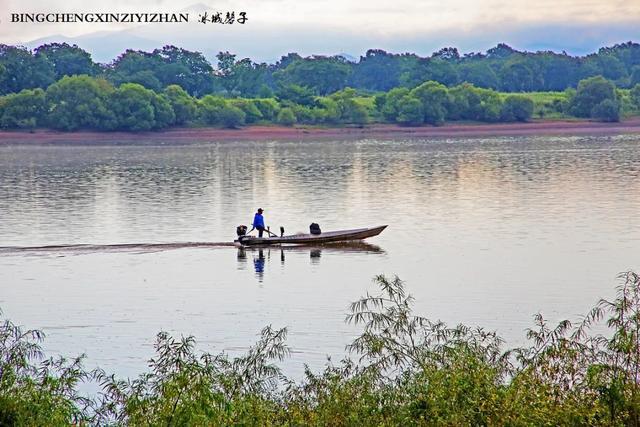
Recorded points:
260,257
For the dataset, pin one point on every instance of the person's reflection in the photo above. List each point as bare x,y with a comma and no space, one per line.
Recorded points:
258,264
262,256
315,255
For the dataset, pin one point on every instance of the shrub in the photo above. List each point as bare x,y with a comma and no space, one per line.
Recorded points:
303,114
210,109
410,370
80,102
591,92
133,108
410,112
466,102
183,105
328,111
433,96
390,104
606,111
286,117
268,107
23,110
634,93
516,108
251,111
231,117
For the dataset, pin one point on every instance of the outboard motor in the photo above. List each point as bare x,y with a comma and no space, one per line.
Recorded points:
314,228
241,230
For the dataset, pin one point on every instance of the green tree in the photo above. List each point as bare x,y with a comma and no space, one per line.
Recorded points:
479,74
190,70
433,114
411,112
133,107
163,113
466,102
377,70
606,111
328,111
489,107
243,77
21,70
80,102
321,74
434,69
516,108
390,104
591,92
286,117
67,60
634,78
268,107
441,71
351,111
265,92
163,67
210,108
519,74
634,94
433,96
559,71
609,66
251,111
135,66
501,51
183,105
232,117
297,94
358,113
304,114
227,70
146,78
26,109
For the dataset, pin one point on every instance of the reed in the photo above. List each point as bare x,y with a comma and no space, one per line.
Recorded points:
402,369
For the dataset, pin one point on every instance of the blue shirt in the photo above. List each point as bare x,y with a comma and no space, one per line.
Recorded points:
258,221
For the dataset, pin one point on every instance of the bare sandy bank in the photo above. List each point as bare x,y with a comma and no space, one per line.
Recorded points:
265,133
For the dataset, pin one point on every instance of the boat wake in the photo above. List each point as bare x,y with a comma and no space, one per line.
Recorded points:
79,249
122,247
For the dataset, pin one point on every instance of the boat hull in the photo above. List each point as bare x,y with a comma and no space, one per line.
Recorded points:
305,239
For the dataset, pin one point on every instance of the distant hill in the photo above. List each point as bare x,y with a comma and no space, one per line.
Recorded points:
104,46
263,42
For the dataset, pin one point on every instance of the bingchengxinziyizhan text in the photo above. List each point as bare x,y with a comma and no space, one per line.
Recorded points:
216,17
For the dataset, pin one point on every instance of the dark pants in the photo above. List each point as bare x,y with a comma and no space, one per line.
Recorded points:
260,231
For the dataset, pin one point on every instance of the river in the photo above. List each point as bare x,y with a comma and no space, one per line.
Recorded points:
485,232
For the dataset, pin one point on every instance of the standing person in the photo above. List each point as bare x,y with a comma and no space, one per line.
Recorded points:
258,222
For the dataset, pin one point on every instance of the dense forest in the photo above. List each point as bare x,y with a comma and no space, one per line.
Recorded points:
407,370
59,86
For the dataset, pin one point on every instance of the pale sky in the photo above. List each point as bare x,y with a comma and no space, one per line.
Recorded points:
353,24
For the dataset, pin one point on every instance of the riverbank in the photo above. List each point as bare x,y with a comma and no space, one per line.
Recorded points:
261,133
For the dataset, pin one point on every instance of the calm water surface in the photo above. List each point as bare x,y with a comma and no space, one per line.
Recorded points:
484,231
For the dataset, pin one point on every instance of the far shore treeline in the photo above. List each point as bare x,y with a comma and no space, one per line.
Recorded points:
59,86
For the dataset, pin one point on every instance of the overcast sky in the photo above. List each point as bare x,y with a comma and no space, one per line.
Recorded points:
350,26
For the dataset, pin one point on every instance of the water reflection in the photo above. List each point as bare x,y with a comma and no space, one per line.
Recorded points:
259,257
484,232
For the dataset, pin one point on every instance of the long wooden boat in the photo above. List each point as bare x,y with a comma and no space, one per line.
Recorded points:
305,239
